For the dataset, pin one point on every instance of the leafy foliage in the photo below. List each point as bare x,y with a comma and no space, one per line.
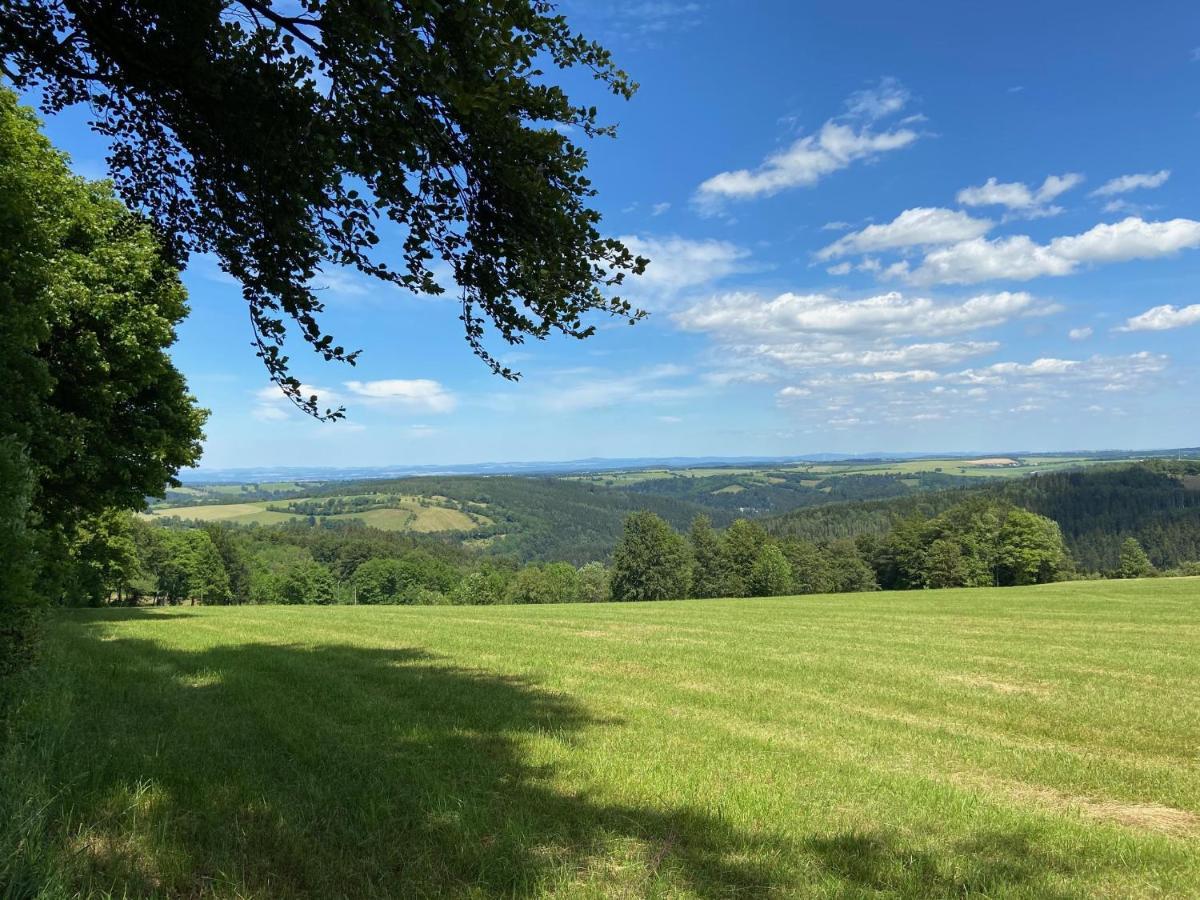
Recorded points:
289,137
651,561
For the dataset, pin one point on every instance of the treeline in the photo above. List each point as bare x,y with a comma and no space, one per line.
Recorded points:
1156,502
134,562
976,543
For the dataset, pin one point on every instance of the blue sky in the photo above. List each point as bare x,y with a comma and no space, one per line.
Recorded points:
873,227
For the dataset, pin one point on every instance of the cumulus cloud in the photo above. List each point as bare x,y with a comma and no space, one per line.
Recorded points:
1020,258
416,394
751,317
817,332
837,145
1018,197
1098,370
1163,318
921,226
1126,183
678,264
1080,334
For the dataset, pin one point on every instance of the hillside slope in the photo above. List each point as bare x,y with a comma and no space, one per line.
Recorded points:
1157,502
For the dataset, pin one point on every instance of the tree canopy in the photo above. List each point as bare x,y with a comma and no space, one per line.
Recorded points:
286,138
93,415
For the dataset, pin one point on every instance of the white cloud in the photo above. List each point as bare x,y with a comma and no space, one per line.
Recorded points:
678,264
805,163
1019,197
1080,334
914,227
417,394
1097,370
659,208
835,226
655,384
791,393
1162,318
877,102
836,146
740,316
1126,183
842,268
1019,258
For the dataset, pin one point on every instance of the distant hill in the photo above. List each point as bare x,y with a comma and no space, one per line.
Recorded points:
257,474
1157,502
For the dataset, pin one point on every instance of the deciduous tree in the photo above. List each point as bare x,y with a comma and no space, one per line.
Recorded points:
288,138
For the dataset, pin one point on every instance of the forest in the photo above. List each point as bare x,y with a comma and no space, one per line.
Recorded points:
1118,520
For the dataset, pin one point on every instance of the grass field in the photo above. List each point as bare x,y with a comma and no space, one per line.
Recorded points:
406,515
764,474
1038,743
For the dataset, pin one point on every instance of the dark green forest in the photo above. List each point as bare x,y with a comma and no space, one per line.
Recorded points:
1156,502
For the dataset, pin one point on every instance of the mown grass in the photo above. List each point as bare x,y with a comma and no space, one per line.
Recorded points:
1035,743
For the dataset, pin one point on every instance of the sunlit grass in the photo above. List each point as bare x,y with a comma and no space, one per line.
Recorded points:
1018,742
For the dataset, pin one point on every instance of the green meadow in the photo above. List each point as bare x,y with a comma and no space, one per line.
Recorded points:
1019,742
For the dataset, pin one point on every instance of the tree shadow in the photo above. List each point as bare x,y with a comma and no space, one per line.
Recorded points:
344,771
989,862
128,613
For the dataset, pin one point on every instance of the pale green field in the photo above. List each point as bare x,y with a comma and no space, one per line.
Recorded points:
766,474
406,515
1033,743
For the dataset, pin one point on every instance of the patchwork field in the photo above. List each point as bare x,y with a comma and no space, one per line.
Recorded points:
1036,743
995,467
406,514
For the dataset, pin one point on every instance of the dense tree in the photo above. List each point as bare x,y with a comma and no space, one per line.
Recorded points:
848,571
1134,561
741,545
549,583
1031,549
651,561
709,577
103,559
594,583
944,565
306,582
88,307
771,575
285,138
233,557
810,567
188,567
380,581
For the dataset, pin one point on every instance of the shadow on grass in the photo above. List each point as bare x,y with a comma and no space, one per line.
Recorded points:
984,864
346,771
